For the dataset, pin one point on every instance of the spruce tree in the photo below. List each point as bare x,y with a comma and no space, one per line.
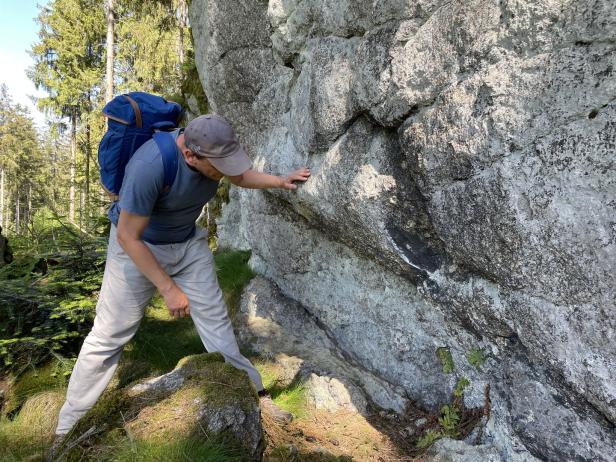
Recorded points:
69,65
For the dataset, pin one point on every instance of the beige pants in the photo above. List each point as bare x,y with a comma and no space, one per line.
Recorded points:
124,294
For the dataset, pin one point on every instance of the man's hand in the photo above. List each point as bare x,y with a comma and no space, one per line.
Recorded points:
298,175
258,180
176,302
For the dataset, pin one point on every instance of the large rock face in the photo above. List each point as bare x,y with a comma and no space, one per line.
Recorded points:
462,196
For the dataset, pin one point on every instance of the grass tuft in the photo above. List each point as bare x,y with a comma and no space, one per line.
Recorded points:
210,450
28,436
35,380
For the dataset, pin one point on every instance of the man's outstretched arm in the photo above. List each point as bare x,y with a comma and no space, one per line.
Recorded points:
130,229
257,180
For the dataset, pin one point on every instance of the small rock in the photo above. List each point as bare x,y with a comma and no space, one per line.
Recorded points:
335,442
420,422
310,439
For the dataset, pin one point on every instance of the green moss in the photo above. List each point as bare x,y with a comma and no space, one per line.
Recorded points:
191,84
476,358
444,356
109,413
224,383
198,362
233,274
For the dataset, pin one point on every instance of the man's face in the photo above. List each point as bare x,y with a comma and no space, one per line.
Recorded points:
206,168
199,163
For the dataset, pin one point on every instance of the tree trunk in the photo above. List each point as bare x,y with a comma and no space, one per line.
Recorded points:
88,155
28,217
182,23
110,51
17,213
81,208
2,198
71,192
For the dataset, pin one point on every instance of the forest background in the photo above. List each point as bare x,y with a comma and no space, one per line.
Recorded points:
52,207
52,173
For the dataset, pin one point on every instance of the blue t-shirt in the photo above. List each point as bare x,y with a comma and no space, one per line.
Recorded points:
172,215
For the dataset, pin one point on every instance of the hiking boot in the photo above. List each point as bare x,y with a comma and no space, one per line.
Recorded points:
54,450
270,408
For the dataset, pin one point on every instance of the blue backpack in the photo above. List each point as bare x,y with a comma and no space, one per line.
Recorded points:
133,119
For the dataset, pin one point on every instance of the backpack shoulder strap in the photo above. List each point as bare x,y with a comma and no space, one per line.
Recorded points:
169,152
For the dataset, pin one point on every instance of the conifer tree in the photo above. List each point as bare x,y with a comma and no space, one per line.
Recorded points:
69,65
22,168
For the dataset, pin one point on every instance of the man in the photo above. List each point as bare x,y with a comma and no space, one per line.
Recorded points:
154,244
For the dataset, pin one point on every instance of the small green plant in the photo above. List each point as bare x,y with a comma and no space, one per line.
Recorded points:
449,420
461,385
444,356
476,358
448,424
428,439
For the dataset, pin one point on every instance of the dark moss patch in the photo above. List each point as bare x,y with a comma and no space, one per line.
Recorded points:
109,414
221,382
233,274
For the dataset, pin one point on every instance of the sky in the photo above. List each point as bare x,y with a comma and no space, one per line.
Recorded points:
18,31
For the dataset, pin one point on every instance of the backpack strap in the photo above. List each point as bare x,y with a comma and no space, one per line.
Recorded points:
136,110
169,152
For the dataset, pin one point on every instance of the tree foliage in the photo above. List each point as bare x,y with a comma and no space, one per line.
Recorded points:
152,52
23,172
68,58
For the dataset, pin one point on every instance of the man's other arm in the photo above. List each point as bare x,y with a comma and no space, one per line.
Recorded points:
257,180
130,229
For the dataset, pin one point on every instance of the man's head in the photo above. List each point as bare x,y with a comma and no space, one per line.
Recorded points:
212,137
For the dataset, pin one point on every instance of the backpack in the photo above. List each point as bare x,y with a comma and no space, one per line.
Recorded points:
133,119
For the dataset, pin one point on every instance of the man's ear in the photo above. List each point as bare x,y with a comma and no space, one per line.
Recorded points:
190,157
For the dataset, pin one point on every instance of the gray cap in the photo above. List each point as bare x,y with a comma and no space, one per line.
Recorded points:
211,136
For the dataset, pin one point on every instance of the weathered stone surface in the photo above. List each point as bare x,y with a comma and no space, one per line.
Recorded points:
448,450
278,327
462,194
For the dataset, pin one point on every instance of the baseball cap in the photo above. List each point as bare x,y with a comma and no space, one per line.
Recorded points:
211,136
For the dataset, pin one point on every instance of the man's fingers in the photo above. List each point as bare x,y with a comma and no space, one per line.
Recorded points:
179,312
